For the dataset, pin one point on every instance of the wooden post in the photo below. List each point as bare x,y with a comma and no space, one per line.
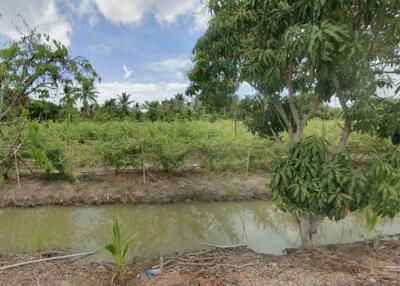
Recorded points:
248,161
143,165
161,264
17,170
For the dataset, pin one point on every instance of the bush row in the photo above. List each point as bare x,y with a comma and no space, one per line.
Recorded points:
165,146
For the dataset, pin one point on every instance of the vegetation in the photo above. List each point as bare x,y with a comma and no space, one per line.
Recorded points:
32,66
297,55
119,251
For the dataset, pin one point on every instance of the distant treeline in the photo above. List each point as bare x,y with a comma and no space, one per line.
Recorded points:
178,107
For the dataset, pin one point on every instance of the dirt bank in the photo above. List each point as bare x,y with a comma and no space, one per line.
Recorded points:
345,264
130,189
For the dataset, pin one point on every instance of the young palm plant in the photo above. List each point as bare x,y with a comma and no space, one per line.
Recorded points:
119,251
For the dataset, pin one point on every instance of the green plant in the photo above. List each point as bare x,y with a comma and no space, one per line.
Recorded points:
231,192
39,242
119,250
312,184
384,176
120,154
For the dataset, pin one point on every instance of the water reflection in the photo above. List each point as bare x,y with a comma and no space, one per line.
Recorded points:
163,230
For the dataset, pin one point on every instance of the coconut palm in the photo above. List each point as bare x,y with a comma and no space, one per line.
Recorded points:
87,94
69,99
124,103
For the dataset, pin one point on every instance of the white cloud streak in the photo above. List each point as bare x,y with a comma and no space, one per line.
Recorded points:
171,64
100,48
127,71
141,92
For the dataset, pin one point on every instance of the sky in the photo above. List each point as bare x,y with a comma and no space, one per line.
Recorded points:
142,47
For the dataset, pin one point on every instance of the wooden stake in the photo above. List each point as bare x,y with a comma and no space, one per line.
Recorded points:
248,161
17,170
143,165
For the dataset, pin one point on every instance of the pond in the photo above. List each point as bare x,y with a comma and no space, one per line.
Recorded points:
165,229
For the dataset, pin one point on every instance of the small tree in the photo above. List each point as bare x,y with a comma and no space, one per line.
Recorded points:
313,184
289,49
119,251
33,66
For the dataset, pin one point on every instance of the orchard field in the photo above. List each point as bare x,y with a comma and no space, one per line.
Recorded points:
167,146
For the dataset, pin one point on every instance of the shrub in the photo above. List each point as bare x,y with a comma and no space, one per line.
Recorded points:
48,154
120,154
312,184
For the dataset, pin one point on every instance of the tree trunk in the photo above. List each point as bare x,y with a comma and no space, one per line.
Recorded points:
344,139
299,133
308,227
347,128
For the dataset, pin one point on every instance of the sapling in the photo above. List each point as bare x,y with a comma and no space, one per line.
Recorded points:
119,250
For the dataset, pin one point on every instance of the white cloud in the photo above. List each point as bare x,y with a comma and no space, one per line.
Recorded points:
201,18
168,11
141,92
42,14
127,71
132,12
171,64
173,67
100,48
87,7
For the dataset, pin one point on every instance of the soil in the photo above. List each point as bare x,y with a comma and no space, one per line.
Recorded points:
340,264
129,188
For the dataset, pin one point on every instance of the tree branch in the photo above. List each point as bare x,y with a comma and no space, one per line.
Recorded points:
292,103
289,127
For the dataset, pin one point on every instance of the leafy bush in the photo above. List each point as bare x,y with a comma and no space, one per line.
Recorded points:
48,154
120,154
384,188
311,185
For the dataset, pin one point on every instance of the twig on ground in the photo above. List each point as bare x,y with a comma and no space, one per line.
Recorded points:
46,259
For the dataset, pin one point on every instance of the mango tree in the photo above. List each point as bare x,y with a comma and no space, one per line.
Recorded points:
285,50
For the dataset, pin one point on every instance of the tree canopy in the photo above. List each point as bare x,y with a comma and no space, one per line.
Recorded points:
288,48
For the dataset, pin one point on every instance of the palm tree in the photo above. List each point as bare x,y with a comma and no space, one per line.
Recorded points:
87,94
124,102
69,99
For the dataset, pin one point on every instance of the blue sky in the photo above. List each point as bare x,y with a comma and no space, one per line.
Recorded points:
142,47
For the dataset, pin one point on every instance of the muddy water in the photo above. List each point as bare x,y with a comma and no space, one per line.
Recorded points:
165,229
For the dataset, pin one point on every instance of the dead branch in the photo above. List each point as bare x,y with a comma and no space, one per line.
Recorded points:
46,259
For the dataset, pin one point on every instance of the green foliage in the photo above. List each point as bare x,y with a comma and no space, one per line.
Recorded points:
310,181
379,116
35,149
170,154
48,154
119,250
43,110
120,153
384,177
231,192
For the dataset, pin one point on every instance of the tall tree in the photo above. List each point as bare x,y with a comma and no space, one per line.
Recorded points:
69,99
124,104
287,50
33,66
87,94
